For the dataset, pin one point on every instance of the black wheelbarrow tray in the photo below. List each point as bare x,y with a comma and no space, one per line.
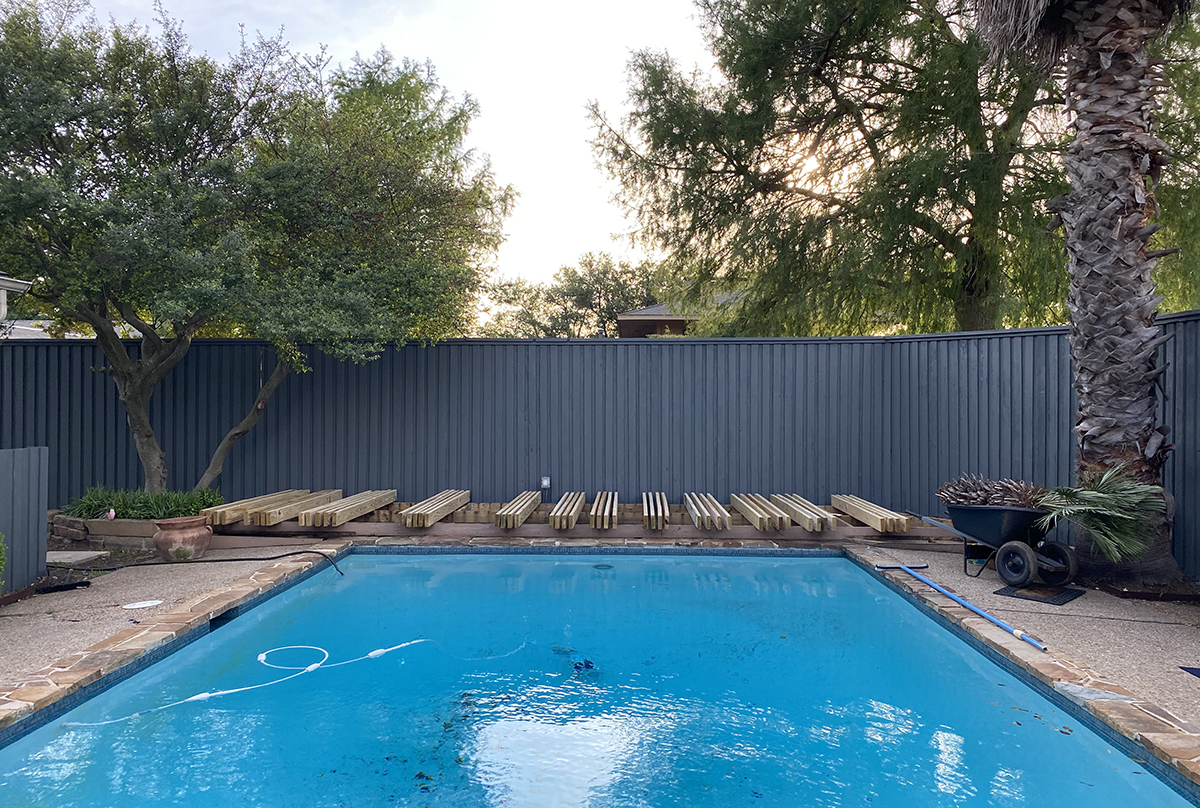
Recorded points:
1017,543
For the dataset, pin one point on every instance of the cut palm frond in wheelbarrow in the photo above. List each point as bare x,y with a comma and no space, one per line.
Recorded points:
1017,542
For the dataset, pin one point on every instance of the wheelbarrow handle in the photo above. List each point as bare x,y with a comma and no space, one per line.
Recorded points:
944,526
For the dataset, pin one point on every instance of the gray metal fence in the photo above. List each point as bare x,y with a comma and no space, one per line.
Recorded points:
24,478
886,418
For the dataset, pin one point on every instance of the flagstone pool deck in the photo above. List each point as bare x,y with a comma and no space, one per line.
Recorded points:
1120,659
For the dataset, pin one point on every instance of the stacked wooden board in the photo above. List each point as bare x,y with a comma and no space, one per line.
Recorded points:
656,512
340,511
604,510
805,514
429,511
566,513
706,512
516,512
234,512
273,512
869,513
759,511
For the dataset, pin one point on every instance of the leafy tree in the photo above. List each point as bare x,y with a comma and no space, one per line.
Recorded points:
1113,163
857,167
582,301
1177,277
143,186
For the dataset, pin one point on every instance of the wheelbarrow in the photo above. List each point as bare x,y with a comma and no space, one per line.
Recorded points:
1016,542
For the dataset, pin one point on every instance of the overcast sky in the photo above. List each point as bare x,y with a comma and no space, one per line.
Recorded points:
533,65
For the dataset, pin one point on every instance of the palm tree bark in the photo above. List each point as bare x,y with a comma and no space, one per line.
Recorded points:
1111,85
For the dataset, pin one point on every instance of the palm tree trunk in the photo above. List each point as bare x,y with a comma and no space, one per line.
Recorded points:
1111,87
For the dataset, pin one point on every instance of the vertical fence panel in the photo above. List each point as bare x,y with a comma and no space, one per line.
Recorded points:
24,478
887,418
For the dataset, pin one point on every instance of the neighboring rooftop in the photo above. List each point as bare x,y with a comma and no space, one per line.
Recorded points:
7,285
654,320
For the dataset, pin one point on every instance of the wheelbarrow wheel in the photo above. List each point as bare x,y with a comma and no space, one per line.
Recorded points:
1063,556
1016,563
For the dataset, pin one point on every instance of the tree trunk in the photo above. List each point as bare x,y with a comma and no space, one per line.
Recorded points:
977,306
1111,87
154,459
137,380
217,463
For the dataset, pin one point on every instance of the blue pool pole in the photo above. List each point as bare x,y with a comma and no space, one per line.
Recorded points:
1016,632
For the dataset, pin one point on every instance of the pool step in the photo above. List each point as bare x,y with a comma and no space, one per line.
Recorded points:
341,511
706,512
656,512
869,513
604,510
760,512
516,512
566,512
429,511
812,518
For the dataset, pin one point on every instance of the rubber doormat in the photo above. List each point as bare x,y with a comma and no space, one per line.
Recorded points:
1052,595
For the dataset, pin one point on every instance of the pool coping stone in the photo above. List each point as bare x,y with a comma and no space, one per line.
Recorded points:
1167,745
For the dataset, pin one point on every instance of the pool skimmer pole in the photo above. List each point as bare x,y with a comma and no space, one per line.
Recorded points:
1016,632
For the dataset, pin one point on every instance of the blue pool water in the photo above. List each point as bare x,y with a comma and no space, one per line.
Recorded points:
566,680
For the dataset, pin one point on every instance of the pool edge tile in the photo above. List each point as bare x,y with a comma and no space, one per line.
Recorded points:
1112,706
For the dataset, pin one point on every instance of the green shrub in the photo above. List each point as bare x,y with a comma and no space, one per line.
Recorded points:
97,502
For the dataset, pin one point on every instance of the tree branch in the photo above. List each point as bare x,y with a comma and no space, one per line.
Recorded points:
217,463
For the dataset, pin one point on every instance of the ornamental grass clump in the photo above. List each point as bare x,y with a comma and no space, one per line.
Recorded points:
97,503
1114,508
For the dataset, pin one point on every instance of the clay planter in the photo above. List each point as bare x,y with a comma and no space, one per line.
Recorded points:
183,538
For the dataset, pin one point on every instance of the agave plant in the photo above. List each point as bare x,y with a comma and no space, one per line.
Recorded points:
1113,507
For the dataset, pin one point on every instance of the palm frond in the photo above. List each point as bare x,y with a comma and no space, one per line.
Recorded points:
1116,510
1038,30
1031,29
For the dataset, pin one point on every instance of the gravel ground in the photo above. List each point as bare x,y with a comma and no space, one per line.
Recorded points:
38,630
1137,644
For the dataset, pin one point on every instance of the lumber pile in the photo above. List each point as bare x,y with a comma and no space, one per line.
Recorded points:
429,511
273,512
566,513
233,512
805,514
604,510
760,512
706,512
656,512
516,512
341,511
869,513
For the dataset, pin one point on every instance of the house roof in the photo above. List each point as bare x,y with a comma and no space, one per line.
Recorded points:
656,312
8,284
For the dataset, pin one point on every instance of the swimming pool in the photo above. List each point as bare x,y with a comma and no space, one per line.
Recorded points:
599,680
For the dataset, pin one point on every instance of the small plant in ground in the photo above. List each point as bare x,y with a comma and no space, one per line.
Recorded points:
975,490
3,559
1114,508
97,502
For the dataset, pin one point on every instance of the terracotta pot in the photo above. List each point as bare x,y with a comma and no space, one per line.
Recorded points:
183,538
